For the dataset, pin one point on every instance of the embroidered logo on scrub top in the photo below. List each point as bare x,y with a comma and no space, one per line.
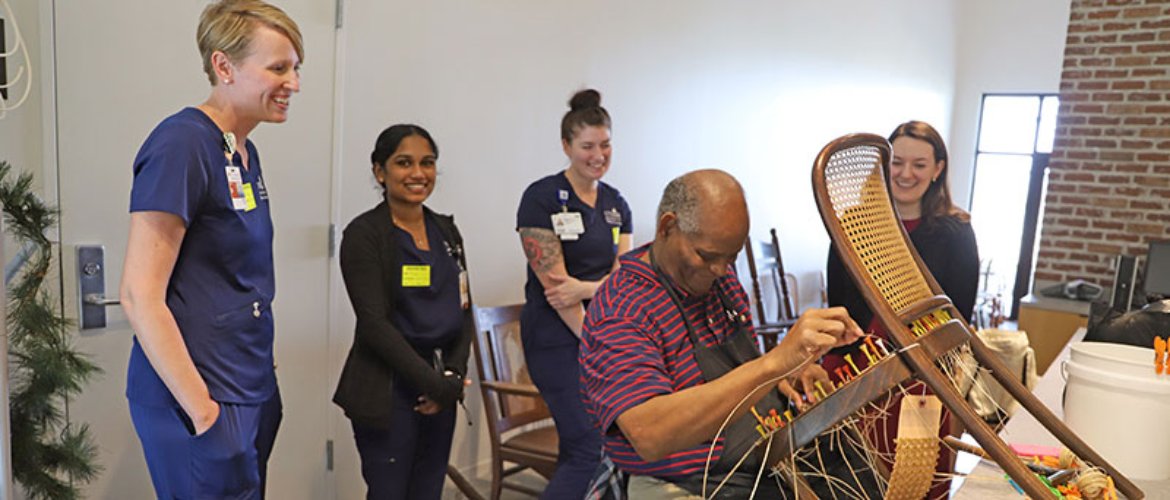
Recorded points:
261,191
416,275
613,217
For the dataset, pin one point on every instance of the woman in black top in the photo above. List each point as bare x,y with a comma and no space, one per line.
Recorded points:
940,231
405,273
942,234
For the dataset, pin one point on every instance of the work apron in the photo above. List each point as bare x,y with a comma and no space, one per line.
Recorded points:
719,359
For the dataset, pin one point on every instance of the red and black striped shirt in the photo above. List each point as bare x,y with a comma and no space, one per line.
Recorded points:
634,347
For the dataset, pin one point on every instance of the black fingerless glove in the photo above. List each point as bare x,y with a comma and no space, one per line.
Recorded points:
459,380
450,390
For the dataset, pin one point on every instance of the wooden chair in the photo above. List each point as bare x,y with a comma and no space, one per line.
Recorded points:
854,202
768,331
519,424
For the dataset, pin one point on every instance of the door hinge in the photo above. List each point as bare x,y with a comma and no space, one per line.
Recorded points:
338,11
332,240
329,455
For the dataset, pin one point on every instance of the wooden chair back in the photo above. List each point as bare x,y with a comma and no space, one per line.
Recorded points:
852,194
519,423
501,358
768,333
784,284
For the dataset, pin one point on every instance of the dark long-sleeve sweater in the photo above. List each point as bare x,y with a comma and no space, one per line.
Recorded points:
947,247
381,353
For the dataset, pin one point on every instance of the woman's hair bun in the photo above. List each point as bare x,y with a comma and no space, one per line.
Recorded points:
585,99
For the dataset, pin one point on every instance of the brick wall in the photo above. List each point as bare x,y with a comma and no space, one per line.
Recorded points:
1109,177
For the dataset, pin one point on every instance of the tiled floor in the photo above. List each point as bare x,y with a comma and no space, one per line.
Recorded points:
483,486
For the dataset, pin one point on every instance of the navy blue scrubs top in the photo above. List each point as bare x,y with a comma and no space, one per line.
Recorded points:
222,286
590,257
428,316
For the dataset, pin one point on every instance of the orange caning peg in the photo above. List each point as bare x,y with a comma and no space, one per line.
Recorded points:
1159,354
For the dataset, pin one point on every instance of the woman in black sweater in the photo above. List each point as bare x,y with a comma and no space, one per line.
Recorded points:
942,234
405,274
939,230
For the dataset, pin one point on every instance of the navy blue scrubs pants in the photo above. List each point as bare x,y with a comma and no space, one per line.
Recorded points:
556,373
229,460
408,458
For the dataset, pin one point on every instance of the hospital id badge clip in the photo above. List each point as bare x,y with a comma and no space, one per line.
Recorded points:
464,291
236,187
568,225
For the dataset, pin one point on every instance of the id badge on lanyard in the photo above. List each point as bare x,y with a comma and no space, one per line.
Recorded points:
568,225
456,252
242,196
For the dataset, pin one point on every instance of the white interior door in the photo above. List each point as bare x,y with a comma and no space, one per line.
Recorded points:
120,68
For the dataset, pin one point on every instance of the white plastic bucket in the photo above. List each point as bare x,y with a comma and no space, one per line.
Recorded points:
1123,417
1114,358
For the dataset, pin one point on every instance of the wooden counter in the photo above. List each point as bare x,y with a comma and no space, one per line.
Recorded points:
1050,323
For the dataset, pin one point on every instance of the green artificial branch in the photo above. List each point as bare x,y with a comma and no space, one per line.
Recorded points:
50,455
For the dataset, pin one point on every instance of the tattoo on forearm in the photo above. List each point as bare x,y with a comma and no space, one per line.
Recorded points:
541,247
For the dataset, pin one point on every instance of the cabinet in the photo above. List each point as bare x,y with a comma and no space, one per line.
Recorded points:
1050,324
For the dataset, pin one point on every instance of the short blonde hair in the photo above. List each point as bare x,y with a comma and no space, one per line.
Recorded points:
227,26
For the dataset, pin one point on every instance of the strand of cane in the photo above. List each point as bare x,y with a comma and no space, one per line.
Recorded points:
715,440
871,456
847,488
852,470
760,472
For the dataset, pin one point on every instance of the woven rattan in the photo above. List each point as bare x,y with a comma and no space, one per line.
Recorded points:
858,197
913,468
850,188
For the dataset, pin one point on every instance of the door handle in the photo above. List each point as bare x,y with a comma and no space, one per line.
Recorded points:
98,299
91,284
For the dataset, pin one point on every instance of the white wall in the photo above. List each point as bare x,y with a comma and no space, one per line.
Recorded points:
20,130
1002,46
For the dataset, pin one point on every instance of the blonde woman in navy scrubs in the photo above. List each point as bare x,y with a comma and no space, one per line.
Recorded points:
405,273
572,227
198,281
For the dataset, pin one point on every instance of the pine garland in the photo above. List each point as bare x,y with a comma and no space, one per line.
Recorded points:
50,455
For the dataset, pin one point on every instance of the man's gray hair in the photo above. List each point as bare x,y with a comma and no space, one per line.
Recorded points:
680,198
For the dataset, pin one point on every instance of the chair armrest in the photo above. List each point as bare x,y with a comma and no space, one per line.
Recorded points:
512,388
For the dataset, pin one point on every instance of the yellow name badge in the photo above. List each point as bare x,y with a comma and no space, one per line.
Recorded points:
617,237
416,275
249,198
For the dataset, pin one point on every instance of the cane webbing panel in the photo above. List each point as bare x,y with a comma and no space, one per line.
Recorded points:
855,190
857,193
849,186
913,468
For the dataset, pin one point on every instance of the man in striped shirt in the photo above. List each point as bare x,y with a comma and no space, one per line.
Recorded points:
657,409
